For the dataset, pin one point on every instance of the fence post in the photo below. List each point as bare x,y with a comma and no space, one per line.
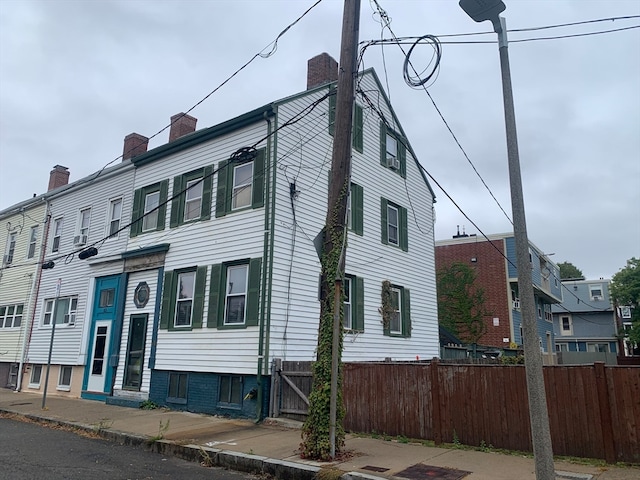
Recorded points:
435,402
276,368
604,403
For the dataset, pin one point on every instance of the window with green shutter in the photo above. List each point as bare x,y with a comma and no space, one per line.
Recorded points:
394,227
149,208
241,184
183,294
192,196
393,150
353,299
234,294
357,134
398,310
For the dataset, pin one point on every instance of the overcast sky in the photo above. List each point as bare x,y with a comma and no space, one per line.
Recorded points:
77,76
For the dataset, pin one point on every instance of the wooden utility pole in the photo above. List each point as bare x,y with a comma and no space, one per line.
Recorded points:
333,254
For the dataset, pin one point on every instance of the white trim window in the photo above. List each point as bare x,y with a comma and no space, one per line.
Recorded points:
242,186
11,248
65,311
33,239
64,378
184,299
151,204
625,311
393,225
36,375
595,292
395,321
57,233
236,295
84,222
566,325
115,215
392,151
11,315
193,199
598,347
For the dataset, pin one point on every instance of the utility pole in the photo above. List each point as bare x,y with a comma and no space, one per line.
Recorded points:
53,333
481,10
334,249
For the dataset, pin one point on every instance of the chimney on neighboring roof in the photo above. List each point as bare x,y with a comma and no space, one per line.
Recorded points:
181,125
321,69
134,145
58,177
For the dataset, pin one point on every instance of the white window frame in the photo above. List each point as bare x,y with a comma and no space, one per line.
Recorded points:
68,318
240,188
58,224
64,386
150,214
84,221
115,217
232,292
9,320
11,248
188,279
566,331
390,225
396,316
348,304
193,195
34,368
594,347
596,287
391,149
625,311
33,241
562,347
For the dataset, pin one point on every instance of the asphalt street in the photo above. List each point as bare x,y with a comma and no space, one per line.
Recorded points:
33,451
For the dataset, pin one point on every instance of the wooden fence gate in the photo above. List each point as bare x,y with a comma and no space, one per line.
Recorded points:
290,387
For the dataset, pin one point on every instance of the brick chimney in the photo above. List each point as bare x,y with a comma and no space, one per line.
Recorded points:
321,69
181,124
134,145
58,177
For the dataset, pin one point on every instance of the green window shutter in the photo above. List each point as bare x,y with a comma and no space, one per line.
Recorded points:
383,221
383,144
198,297
332,110
177,204
406,313
358,133
404,229
258,180
357,209
215,287
136,212
253,292
357,284
221,194
402,156
207,184
168,300
162,211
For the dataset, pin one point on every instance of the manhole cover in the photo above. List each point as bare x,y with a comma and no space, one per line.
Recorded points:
373,468
421,471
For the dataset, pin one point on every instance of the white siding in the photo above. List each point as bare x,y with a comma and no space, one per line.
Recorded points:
17,279
78,276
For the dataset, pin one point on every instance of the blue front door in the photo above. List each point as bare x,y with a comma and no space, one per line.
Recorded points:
98,374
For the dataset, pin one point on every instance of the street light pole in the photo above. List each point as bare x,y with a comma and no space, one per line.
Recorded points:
481,10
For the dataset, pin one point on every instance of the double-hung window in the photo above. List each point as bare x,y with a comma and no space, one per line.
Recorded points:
191,196
393,150
115,215
183,298
236,295
84,220
353,303
57,234
595,292
11,315
149,208
396,310
566,325
33,239
241,183
11,248
394,224
65,311
357,132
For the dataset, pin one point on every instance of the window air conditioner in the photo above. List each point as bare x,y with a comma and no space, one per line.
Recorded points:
393,163
80,240
597,297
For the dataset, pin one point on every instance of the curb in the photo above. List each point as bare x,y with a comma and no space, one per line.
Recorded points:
207,456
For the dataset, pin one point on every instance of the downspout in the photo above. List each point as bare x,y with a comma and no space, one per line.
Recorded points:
33,295
265,316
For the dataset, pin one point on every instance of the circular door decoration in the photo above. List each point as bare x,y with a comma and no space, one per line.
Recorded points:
141,295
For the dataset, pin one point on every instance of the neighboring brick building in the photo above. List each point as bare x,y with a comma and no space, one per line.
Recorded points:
494,263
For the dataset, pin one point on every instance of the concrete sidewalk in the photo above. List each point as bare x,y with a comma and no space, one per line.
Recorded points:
271,447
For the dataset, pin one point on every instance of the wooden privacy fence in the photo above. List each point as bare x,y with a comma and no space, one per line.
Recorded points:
594,410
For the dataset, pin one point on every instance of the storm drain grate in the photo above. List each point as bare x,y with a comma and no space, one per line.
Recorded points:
373,468
421,471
